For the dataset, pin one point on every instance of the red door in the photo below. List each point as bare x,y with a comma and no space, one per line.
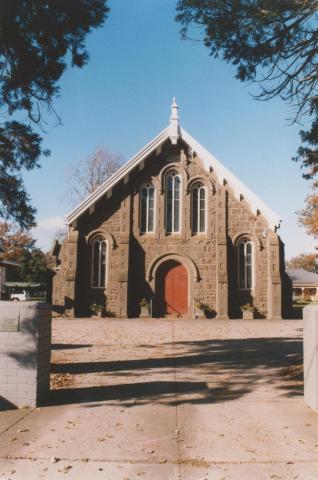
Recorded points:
175,289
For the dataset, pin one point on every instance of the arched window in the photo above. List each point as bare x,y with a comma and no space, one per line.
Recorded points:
99,253
173,189
245,263
198,208
147,210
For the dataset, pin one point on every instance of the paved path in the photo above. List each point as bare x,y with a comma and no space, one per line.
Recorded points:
160,399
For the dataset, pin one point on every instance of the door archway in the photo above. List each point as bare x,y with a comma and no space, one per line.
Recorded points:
172,289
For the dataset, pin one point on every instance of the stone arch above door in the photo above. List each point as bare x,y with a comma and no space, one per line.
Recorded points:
191,268
181,258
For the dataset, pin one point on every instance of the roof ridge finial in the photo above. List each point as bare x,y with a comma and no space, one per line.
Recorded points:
174,122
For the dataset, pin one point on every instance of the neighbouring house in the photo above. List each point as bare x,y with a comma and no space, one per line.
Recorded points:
175,231
4,265
305,284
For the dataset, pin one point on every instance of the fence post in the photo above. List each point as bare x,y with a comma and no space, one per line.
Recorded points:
25,350
311,356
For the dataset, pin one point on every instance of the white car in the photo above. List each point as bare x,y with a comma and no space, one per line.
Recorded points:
19,294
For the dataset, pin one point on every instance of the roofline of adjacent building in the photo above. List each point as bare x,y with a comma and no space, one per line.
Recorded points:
6,263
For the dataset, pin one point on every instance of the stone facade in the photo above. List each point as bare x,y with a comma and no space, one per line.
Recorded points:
134,259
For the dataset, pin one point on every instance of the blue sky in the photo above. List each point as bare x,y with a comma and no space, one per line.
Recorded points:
122,98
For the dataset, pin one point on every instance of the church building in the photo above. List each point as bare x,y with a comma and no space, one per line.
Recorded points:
175,232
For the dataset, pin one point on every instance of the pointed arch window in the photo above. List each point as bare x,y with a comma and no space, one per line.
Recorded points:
173,192
147,208
245,263
198,208
99,257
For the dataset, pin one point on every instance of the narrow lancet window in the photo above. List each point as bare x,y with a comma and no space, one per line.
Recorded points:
99,252
147,208
245,264
198,208
173,192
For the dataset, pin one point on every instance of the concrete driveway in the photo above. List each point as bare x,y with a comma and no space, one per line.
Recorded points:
163,399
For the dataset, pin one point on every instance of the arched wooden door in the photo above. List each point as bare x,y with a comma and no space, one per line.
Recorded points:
172,288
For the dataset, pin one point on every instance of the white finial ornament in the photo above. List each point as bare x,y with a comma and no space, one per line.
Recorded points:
174,122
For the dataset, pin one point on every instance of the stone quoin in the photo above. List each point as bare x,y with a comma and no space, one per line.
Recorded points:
175,232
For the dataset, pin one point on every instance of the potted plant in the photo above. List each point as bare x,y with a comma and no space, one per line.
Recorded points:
97,309
144,305
204,310
248,311
209,312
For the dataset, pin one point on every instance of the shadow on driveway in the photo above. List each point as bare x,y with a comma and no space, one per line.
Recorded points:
207,371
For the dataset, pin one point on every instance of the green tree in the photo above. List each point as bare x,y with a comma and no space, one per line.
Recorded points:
39,39
270,42
33,267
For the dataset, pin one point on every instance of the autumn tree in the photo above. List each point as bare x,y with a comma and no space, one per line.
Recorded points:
39,40
85,176
307,261
272,43
19,245
15,241
308,217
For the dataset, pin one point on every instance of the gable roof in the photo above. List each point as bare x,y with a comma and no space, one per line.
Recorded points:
174,132
299,276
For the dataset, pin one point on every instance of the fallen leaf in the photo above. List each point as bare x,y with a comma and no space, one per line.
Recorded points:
67,468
